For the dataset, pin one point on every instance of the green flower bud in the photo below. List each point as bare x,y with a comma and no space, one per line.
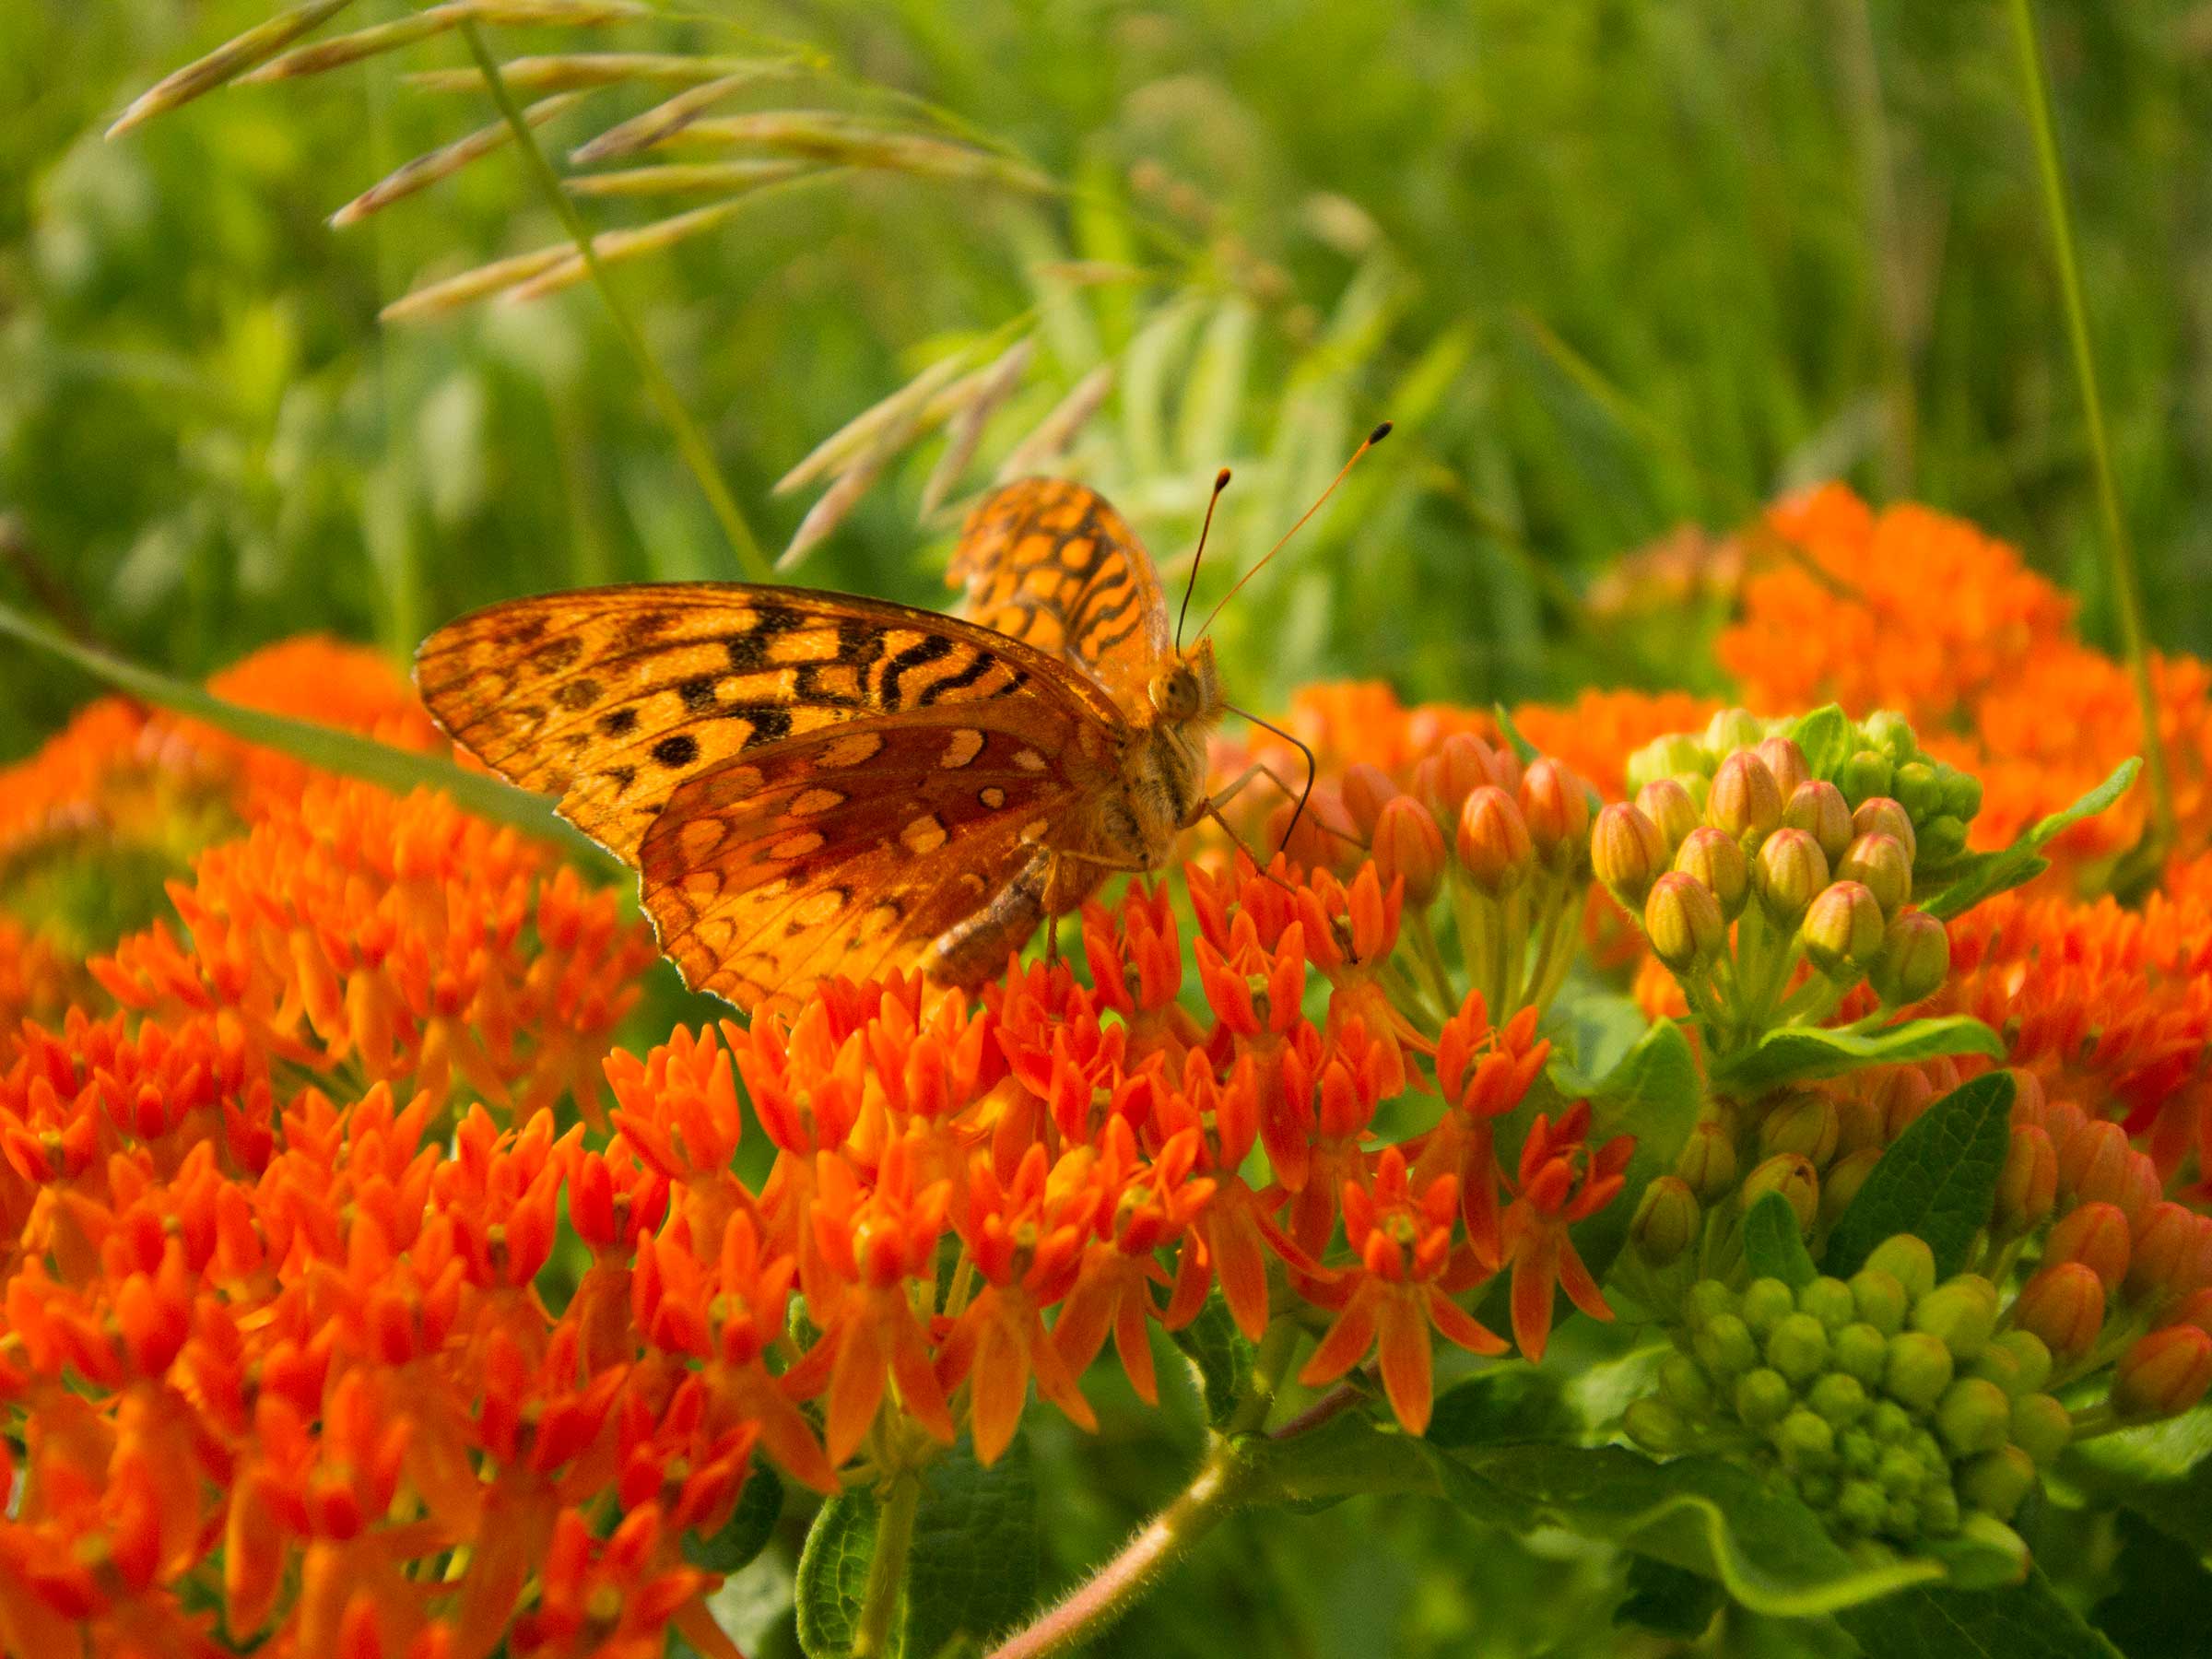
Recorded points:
1909,1260
1861,1351
1973,1415
1763,1397
1804,1123
1665,1223
1856,1450
1685,1386
1865,776
1707,1166
1670,808
1841,1398
1745,802
1889,1423
1902,1474
1891,732
1995,1364
1706,1301
1962,1312
1917,1371
1828,1300
1913,962
1902,1520
1797,1347
1805,1441
1843,932
1683,920
1719,866
1918,791
1880,815
1732,729
1841,1185
1795,1178
1941,840
1767,1302
1786,761
1628,854
1880,1299
1961,795
1725,1346
2041,1427
1939,1512
1861,1506
2030,1359
1878,863
1818,1489
1818,808
1656,1427
1788,874
1996,1481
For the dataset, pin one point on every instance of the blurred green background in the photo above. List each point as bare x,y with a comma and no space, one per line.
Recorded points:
1615,268
1797,240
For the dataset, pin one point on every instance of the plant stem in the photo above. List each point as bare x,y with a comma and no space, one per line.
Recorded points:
1218,1488
1267,1367
2127,587
689,441
887,1570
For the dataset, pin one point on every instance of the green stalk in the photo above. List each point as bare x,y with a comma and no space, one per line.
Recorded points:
886,1568
689,441
2127,587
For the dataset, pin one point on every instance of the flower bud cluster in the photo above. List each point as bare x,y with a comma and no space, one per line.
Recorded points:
1893,1406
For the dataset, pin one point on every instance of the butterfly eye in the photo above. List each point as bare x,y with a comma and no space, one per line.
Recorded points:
1175,693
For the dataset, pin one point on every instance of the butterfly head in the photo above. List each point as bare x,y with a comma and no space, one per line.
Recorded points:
1189,692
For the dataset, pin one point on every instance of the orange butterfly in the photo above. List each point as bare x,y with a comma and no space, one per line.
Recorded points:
812,783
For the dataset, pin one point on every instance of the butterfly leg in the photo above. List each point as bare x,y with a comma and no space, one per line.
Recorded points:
971,951
1258,768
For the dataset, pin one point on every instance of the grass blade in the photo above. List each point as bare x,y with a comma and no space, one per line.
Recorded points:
226,63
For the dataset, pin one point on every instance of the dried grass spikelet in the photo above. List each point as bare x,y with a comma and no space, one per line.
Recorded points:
833,135
226,63
698,177
437,297
992,385
1058,428
672,115
845,490
325,56
860,433
444,162
614,247
565,72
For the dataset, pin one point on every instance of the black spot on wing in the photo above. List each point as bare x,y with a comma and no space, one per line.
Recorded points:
697,693
771,724
676,751
619,724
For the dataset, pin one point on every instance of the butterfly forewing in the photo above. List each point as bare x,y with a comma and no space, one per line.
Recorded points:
1050,562
614,699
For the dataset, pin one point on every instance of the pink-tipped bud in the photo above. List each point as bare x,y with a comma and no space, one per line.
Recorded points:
1904,1094
1788,874
1366,788
2063,1305
2097,1236
2168,1259
1882,816
1795,1178
1914,959
2162,1374
1880,863
1745,802
1818,808
1494,846
1557,806
1409,846
2028,1099
2093,1161
1626,853
2139,1187
1786,761
2028,1185
1842,931
1717,862
1842,1183
2195,1308
1668,804
1683,922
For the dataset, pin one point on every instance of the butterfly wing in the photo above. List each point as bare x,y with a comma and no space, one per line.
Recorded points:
614,699
1050,562
851,850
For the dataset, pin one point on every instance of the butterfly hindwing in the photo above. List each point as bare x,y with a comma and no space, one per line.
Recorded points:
615,698
1050,562
851,850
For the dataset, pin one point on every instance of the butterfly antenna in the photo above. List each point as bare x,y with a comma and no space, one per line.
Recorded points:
1298,811
1373,438
1221,484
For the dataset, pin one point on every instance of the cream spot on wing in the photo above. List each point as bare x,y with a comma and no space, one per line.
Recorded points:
924,835
853,750
879,921
699,838
817,908
965,745
1034,829
1029,759
971,883
769,889
813,801
797,846
993,798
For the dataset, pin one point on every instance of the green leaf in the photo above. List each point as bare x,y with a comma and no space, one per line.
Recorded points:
1938,1179
1522,746
1773,1246
1994,873
2026,1621
1515,1402
974,1569
1828,739
1654,1094
332,750
1669,1600
833,1574
1805,1053
748,1529
2156,1575
2162,1471
1220,1357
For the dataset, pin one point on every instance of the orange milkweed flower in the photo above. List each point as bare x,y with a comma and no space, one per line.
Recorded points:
1562,1180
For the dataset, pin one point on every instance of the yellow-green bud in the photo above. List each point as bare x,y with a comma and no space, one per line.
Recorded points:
2041,1427
1818,808
1667,1221
1941,839
1744,800
1996,1481
1788,874
1718,865
1859,1450
1842,931
1917,1371
1841,1398
1786,761
1880,815
1841,1184
1763,1397
1706,1301
1683,920
1861,1505
2030,1359
1828,1300
1878,863
1626,853
1939,1512
1669,806
1797,1347
1914,959
1962,795
1795,1178
1891,733
1918,790
1806,1443
1865,776
1767,1302
1707,1165
1861,1351
1733,729
1684,1383
1962,1312
1973,1415
1724,1346
1909,1260
1881,1299
1656,1427
1995,1364
1804,1123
